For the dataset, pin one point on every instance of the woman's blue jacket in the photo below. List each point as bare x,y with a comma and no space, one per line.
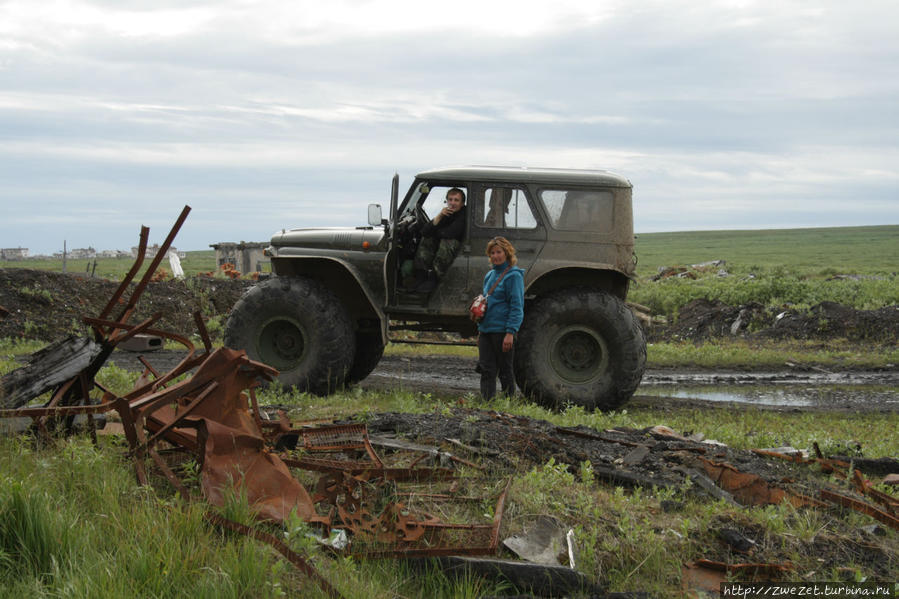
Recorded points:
505,306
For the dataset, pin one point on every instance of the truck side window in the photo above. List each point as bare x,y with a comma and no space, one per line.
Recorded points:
579,210
504,208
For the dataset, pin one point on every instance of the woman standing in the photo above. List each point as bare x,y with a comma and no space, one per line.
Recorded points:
504,288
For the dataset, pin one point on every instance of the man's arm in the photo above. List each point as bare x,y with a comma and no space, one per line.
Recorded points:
454,228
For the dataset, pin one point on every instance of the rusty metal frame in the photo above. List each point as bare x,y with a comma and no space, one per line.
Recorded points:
159,416
860,506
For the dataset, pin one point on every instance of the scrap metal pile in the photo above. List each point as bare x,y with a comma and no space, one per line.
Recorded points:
205,410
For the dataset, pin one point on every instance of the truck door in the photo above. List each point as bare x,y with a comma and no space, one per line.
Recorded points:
507,211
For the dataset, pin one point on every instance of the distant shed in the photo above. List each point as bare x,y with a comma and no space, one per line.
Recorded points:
246,256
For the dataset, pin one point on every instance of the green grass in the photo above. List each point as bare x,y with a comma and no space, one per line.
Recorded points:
773,288
729,354
739,354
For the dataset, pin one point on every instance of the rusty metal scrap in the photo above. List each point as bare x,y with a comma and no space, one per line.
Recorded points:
212,416
845,470
751,489
861,506
708,575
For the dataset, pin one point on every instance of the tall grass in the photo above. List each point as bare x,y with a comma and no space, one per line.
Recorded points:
73,523
771,287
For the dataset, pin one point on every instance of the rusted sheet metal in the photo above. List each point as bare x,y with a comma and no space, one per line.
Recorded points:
751,489
707,575
790,457
209,413
860,506
888,502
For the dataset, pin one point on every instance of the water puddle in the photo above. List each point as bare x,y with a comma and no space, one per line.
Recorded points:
863,396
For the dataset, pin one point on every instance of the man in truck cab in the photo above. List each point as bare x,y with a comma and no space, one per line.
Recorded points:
441,238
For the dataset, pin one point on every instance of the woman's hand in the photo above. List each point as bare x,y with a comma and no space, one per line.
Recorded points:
508,340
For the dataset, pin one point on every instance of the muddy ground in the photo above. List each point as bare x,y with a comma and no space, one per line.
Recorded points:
46,306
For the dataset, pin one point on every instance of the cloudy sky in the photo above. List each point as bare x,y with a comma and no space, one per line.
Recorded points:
261,115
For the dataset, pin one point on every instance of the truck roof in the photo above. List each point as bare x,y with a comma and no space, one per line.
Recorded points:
523,174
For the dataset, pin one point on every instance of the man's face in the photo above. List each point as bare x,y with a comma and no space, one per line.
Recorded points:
454,201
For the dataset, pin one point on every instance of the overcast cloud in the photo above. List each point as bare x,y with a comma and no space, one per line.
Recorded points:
262,115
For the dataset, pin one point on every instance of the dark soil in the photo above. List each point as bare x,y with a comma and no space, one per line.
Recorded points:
656,458
44,305
704,319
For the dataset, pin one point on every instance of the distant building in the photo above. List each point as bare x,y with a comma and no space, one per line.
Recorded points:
246,256
114,254
13,253
87,252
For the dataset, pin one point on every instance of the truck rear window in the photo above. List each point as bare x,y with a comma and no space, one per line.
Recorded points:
579,210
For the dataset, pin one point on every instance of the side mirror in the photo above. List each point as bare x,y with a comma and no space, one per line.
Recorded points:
374,215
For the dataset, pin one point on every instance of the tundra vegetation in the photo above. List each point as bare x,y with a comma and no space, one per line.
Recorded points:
74,523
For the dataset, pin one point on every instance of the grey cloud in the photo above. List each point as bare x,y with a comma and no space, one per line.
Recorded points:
741,117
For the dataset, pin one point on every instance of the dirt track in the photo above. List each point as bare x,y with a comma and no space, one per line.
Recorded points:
449,376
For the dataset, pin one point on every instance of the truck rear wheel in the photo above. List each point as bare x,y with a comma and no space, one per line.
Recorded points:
580,346
298,326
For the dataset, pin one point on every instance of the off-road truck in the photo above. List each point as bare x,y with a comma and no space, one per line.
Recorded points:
325,315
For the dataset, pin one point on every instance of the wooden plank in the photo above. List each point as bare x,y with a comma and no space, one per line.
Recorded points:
46,370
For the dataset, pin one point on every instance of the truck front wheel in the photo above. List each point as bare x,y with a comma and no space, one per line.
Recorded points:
369,349
579,346
298,326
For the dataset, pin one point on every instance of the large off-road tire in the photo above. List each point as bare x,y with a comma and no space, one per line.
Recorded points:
579,346
369,349
298,326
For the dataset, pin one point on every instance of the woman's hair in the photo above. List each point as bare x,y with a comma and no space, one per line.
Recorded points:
506,247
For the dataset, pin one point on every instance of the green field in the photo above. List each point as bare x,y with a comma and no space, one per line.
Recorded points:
115,268
841,250
808,252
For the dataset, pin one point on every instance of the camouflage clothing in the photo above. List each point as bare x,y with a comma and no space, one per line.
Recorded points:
436,254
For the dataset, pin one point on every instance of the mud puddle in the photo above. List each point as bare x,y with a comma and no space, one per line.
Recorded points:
820,390
455,376
824,397
789,389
